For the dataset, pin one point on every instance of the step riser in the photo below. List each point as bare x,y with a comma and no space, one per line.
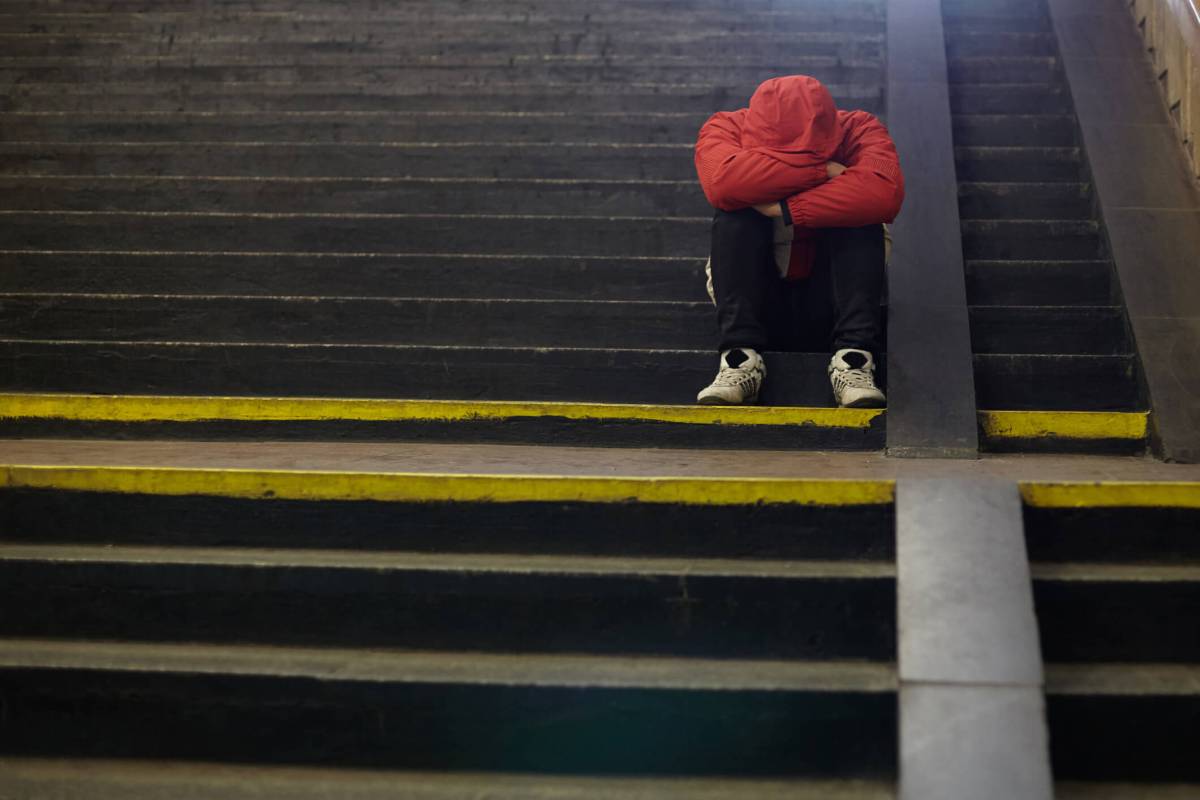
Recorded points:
1025,168
553,431
1049,331
464,128
412,322
1031,283
992,44
149,17
1023,201
797,379
599,161
1014,131
1047,383
214,43
1162,535
1143,739
966,99
495,235
1003,70
977,21
448,727
682,199
502,277
417,77
1035,245
641,612
1156,620
994,8
121,99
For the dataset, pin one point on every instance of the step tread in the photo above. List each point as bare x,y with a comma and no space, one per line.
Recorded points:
1126,679
406,666
454,563
98,779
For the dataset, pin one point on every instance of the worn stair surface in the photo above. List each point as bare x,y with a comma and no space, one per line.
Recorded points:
1048,325
1116,571
731,630
422,201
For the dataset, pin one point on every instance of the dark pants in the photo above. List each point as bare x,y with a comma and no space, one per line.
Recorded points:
836,307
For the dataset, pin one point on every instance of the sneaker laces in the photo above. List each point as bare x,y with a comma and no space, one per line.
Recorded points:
733,376
856,378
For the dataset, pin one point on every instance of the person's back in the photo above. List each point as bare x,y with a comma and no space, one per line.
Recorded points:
801,192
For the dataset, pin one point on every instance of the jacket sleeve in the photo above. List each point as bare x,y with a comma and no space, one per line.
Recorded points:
871,189
734,178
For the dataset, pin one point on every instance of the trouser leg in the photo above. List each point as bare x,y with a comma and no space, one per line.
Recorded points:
743,273
854,259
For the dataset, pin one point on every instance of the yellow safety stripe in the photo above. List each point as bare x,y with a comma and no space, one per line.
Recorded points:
434,487
150,408
1064,424
1110,494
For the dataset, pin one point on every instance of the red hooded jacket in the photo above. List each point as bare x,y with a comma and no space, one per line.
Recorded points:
777,149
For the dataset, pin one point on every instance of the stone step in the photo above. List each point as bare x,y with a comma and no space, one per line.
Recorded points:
300,41
348,320
1124,729
307,419
469,9
1118,557
1032,239
987,70
994,8
242,97
978,21
1031,282
1020,164
435,72
1019,98
800,520
234,194
338,127
992,43
1031,201
441,275
578,160
383,234
493,603
457,373
1014,130
445,711
110,779
1046,329
1057,382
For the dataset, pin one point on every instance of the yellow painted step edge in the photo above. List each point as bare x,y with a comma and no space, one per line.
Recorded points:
151,408
1064,424
1112,494
434,487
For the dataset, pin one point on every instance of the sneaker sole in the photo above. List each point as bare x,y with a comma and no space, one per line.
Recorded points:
867,402
717,401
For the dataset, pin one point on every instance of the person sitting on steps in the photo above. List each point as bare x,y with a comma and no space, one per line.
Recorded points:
801,192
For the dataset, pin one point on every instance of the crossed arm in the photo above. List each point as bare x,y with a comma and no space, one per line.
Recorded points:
867,189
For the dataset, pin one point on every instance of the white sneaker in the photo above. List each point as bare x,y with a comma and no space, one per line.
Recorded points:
740,378
852,374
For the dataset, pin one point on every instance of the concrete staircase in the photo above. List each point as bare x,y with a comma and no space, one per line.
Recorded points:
471,202
1048,326
1117,588
741,631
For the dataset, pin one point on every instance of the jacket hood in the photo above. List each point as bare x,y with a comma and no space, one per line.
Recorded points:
793,119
